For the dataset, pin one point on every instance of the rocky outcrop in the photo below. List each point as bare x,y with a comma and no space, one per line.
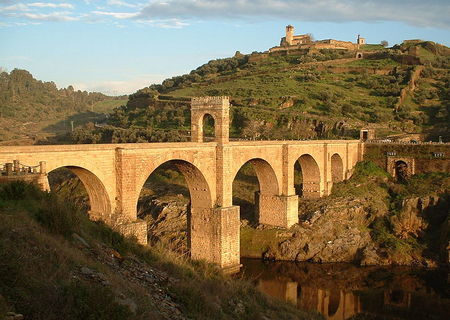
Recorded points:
167,221
412,218
340,232
334,233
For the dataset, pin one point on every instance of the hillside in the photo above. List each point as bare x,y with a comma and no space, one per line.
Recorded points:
28,106
56,264
306,94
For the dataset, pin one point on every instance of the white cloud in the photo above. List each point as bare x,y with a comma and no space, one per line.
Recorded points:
165,24
54,16
430,13
415,12
117,15
50,5
15,7
119,3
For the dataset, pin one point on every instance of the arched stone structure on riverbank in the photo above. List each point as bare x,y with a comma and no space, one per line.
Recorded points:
114,174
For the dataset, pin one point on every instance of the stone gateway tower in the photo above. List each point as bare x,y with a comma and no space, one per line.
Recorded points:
219,109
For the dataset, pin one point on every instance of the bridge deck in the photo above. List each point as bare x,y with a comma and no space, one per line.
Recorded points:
165,145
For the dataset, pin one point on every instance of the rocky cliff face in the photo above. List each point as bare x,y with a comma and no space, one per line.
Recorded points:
167,221
330,234
345,231
337,232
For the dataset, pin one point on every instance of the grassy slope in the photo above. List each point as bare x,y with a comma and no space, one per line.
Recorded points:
287,97
40,263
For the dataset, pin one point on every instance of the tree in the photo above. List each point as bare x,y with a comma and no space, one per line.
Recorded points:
384,43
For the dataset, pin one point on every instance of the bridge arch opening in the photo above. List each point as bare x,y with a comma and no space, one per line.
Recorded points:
254,181
307,177
175,193
82,187
337,168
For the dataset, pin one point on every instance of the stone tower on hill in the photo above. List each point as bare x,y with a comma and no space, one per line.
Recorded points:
292,40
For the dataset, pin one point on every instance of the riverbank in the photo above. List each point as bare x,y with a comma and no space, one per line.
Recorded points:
368,220
57,264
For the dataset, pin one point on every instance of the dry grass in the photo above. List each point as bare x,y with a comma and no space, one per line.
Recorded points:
39,258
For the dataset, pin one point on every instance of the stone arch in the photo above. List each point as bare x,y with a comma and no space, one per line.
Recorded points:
199,190
337,168
396,164
201,242
359,55
267,179
99,201
267,191
311,176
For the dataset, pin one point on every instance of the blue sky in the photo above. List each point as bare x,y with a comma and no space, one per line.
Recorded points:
117,46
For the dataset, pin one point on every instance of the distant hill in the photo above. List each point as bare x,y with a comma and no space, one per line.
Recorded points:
25,100
308,94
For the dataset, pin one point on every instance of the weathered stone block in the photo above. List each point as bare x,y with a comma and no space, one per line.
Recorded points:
214,235
280,211
137,229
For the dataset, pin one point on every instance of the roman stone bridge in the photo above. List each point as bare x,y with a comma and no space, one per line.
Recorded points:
114,175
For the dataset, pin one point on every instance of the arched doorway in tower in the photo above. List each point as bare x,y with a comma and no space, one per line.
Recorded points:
208,128
337,168
172,195
401,171
255,180
307,177
83,188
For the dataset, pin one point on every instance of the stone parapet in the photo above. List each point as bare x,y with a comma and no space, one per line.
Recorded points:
210,102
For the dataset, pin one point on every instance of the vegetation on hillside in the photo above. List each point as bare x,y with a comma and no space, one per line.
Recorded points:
22,96
318,94
57,264
25,100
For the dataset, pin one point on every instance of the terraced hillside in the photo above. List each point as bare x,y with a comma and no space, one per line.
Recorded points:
306,94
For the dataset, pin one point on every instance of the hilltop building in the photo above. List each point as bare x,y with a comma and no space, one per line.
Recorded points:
291,40
304,41
360,41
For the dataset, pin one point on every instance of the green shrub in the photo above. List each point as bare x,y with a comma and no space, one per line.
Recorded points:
57,216
368,169
18,190
383,235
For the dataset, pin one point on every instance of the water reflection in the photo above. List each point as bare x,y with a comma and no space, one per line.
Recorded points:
343,291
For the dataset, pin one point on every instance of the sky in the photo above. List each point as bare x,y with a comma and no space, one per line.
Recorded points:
117,47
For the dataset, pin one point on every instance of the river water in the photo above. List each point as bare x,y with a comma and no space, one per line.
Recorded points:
344,291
